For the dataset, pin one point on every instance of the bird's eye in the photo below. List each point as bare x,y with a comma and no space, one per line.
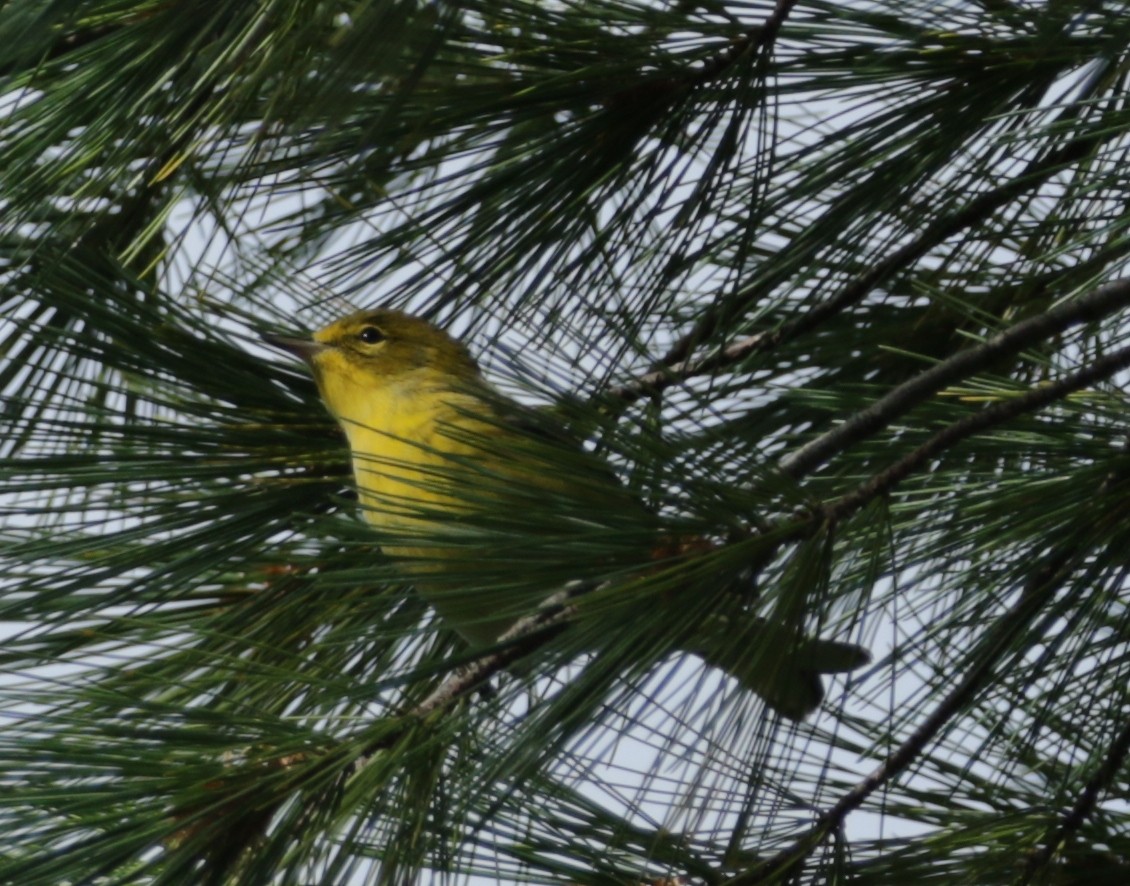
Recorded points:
370,335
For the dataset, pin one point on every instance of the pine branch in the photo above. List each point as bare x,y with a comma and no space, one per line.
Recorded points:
1043,585
756,38
1084,805
65,44
522,638
677,365
296,104
1095,305
1008,628
991,416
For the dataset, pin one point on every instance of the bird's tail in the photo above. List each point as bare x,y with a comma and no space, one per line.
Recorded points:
784,669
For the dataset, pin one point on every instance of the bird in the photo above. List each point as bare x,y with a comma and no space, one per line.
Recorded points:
447,467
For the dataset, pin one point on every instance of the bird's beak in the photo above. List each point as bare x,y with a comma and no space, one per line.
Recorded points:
304,348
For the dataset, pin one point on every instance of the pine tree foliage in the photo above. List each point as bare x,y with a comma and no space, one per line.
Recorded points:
838,288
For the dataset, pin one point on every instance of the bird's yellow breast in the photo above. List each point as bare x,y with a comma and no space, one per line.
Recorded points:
407,461
423,465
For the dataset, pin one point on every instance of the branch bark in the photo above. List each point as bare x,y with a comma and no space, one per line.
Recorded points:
524,636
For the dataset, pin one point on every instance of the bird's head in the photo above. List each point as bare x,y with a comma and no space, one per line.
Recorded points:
380,354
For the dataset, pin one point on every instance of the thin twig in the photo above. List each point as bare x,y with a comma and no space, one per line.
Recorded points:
658,380
1095,305
550,614
1084,804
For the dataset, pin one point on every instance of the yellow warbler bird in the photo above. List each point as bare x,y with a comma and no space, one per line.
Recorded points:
441,458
